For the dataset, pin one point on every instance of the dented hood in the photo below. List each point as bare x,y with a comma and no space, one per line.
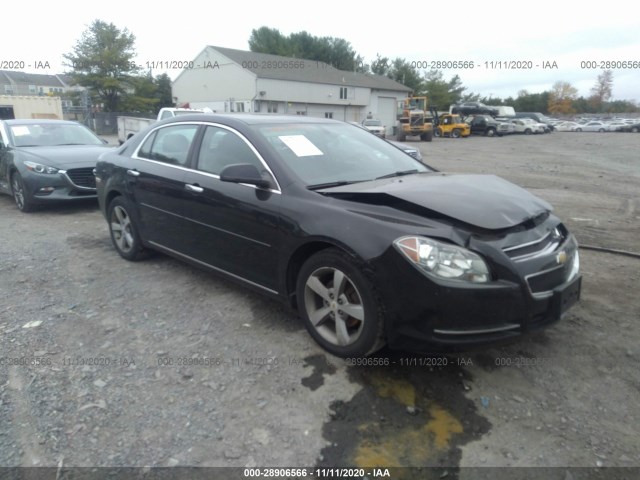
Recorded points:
485,201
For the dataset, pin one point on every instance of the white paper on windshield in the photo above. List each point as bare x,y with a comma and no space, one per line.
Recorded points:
300,145
20,130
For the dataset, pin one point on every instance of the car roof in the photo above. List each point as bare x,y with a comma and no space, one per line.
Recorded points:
32,121
249,119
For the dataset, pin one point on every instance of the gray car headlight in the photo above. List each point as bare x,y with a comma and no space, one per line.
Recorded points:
443,260
39,168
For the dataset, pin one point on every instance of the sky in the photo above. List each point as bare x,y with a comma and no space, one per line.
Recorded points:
535,34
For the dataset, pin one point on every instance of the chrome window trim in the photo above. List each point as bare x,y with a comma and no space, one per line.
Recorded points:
134,155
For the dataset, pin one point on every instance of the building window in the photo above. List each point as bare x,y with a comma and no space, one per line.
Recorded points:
301,113
32,89
328,114
343,93
239,106
8,89
272,107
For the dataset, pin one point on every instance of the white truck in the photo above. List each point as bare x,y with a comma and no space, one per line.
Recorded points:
129,126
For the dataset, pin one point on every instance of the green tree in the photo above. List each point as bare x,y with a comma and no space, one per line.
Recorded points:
561,98
402,72
443,93
381,66
336,52
102,61
163,92
141,96
268,40
531,102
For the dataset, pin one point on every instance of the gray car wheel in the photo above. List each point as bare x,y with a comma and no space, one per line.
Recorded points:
124,231
20,195
338,305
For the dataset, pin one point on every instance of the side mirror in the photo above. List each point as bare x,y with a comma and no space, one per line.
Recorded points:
244,173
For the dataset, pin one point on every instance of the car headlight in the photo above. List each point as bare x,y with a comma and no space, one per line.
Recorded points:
39,168
443,260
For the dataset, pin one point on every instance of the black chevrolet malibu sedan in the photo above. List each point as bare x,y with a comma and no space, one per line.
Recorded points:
370,245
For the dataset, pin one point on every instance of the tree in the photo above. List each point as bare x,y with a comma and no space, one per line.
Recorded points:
402,72
143,98
531,102
336,52
102,61
602,90
561,98
268,40
381,66
163,92
443,93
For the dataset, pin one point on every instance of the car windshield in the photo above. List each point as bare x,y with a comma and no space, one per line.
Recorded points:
52,134
321,153
373,123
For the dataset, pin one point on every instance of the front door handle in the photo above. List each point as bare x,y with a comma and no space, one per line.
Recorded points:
194,188
133,173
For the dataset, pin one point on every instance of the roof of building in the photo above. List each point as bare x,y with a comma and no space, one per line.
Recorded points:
265,65
39,79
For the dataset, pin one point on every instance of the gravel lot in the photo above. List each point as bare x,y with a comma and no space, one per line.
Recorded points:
159,364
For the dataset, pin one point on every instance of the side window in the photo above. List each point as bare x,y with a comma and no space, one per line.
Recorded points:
220,148
169,144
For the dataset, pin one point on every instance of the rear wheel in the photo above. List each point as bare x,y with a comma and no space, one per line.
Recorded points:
401,137
634,129
124,231
20,194
490,132
455,133
438,132
427,136
339,306
601,130
578,129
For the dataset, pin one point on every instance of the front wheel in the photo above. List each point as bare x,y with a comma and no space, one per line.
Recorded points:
20,194
491,132
455,133
527,131
578,129
427,136
338,305
124,231
438,132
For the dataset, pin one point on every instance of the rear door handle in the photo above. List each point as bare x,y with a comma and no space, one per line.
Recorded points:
133,173
194,188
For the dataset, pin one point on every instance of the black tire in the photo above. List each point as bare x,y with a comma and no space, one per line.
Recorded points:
124,231
427,136
491,132
634,129
20,195
601,130
527,131
401,137
355,334
455,133
578,129
438,132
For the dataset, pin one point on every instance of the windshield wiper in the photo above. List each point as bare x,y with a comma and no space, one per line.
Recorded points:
398,174
320,186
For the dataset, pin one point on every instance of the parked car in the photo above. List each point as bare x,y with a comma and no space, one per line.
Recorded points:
567,126
473,108
488,126
593,126
408,149
368,244
44,161
375,126
634,128
538,118
617,126
527,126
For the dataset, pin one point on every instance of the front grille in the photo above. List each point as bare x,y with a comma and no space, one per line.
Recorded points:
82,177
547,281
542,246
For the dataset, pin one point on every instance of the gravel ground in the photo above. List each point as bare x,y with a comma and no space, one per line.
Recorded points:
156,363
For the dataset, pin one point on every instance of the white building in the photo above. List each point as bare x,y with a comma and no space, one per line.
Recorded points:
228,80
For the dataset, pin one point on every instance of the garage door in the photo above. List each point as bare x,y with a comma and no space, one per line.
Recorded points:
387,112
